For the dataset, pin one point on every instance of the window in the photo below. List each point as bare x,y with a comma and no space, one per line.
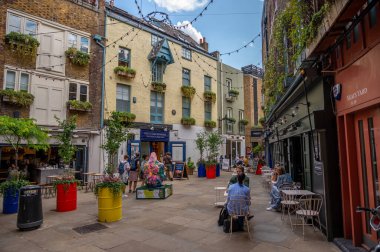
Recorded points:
124,57
17,81
78,42
155,39
372,15
228,84
185,77
78,92
207,81
229,123
241,126
356,33
158,72
186,110
123,101
208,109
21,24
156,107
186,53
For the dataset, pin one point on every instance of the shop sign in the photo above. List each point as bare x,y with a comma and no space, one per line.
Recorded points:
226,164
154,136
358,93
337,91
256,133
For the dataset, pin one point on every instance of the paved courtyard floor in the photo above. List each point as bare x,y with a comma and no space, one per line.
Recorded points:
186,221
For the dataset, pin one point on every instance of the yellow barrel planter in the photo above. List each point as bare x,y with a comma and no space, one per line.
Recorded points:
109,203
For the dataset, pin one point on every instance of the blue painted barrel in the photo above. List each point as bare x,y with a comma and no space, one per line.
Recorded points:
201,170
218,170
10,201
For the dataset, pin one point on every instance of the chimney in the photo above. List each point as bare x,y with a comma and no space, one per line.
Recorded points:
204,44
216,54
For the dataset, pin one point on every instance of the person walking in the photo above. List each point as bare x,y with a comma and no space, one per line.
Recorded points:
133,172
168,165
144,165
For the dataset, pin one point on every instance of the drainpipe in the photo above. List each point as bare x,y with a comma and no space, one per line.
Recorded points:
98,40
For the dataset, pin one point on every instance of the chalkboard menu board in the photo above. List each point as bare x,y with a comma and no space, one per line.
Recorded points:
180,171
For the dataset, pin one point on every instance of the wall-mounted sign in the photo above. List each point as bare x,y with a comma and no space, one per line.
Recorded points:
337,91
256,133
154,136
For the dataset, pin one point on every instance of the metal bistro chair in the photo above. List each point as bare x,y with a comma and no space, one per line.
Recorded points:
309,207
240,208
288,203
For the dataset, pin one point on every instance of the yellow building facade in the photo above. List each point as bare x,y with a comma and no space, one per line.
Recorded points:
157,53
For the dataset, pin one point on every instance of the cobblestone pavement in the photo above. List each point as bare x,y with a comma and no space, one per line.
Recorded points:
186,221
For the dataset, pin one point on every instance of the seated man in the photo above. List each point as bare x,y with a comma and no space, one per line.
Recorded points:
234,179
283,178
237,192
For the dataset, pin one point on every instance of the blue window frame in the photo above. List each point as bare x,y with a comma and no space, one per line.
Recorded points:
207,80
208,109
156,107
186,107
185,77
123,100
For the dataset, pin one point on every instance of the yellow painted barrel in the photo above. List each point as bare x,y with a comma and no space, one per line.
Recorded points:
109,206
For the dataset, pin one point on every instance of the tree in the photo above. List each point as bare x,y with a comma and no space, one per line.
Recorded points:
66,149
258,148
214,140
116,133
201,143
19,131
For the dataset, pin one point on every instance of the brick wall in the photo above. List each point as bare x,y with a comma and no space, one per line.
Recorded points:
74,16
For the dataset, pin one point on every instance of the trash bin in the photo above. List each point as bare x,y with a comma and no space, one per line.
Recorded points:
30,208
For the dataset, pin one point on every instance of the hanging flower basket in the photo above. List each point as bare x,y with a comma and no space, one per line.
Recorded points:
210,124
188,91
22,44
231,119
188,121
19,98
77,57
127,117
158,86
233,93
243,121
79,105
125,72
209,96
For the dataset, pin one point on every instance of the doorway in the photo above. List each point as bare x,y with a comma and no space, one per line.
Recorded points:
159,148
367,133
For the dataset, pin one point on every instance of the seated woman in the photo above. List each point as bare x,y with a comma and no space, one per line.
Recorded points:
275,195
234,179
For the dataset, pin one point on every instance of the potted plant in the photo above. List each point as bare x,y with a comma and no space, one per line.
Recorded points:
214,140
79,105
231,119
10,191
66,186
243,121
158,86
22,44
17,131
77,57
210,124
201,145
109,189
233,92
209,96
188,121
124,71
188,91
19,98
127,117
190,166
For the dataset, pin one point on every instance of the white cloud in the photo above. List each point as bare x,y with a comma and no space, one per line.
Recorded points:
181,5
190,30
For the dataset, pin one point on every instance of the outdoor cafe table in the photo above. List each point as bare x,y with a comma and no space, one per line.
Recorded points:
296,194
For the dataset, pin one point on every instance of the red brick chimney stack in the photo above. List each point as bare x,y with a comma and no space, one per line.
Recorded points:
204,44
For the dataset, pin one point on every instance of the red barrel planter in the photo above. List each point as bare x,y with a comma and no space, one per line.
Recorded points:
211,171
66,197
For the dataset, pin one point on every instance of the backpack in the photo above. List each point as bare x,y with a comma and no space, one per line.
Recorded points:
223,215
121,168
134,164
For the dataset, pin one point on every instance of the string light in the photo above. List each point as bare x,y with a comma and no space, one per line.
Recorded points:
244,46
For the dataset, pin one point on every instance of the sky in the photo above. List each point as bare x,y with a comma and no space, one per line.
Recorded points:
227,25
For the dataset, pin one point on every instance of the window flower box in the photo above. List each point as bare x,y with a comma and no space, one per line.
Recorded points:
18,98
210,124
77,57
125,72
188,91
79,105
22,44
158,86
230,119
188,121
233,93
243,121
209,96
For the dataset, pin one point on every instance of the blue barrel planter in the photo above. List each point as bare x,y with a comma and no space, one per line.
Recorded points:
10,201
201,170
218,170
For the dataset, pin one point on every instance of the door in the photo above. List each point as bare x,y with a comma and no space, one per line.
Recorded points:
367,133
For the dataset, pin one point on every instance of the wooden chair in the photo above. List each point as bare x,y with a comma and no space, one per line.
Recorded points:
309,208
238,206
